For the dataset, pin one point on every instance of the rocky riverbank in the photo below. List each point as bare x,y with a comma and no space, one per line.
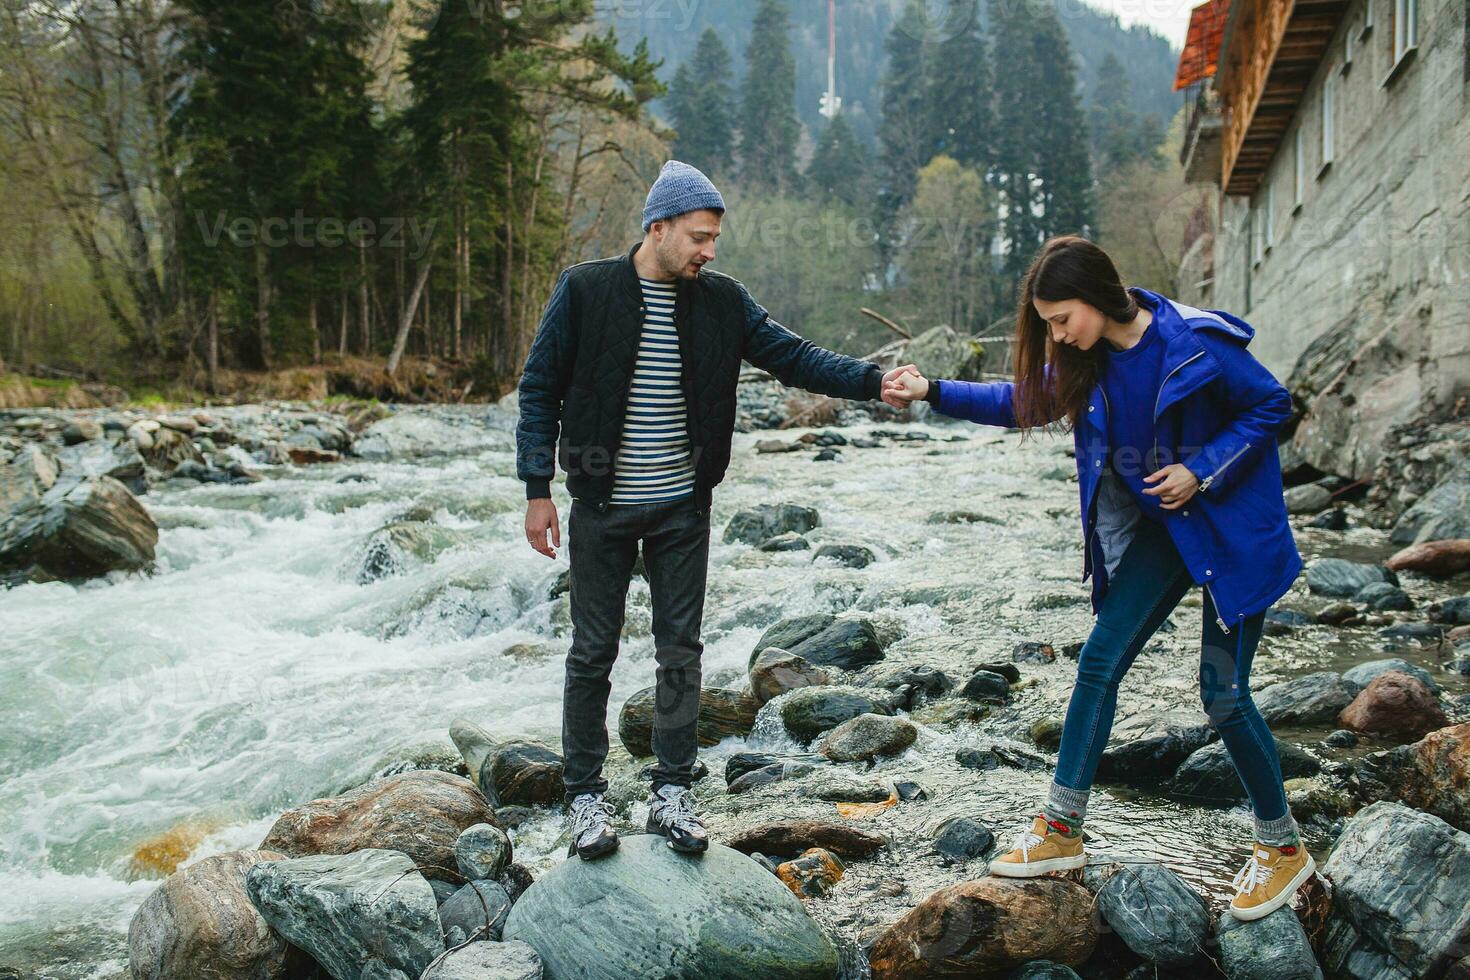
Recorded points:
892,623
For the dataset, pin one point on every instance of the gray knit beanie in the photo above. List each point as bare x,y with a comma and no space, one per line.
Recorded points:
679,189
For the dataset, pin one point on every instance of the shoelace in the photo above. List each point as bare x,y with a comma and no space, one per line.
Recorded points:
589,813
678,810
1025,841
1254,873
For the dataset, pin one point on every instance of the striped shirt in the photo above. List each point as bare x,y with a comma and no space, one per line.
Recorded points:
653,463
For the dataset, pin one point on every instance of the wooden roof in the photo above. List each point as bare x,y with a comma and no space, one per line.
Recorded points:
1202,43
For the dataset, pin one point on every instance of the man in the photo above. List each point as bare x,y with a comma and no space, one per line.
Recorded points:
630,385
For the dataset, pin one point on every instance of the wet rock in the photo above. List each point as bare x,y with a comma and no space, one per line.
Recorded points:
868,736
768,520
1283,622
1208,775
1316,796
1363,674
1033,652
787,633
1308,499
722,713
1335,519
742,763
834,785
1275,947
764,446
1046,733
1339,578
981,760
1432,774
1383,597
1017,759
1043,970
909,791
347,910
963,839
1340,614
1442,513
914,685
790,541
488,961
420,813
1437,558
1160,917
1308,700
770,774
1342,738
200,923
849,644
1451,612
479,909
809,712
1149,747
1399,881
985,926
78,528
520,771
776,671
813,874
168,448
1421,632
985,685
849,555
482,851
828,455
961,517
644,910
793,837
1394,703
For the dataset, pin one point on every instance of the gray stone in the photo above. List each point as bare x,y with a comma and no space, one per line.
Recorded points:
1451,612
808,712
868,736
80,527
1339,578
790,541
963,839
482,851
768,520
1308,700
1155,913
479,910
789,632
1383,597
1363,674
1208,775
1308,499
1442,513
846,643
850,555
488,961
1399,881
776,671
348,909
1275,947
645,911
1150,747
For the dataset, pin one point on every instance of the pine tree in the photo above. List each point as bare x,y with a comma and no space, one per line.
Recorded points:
702,106
1120,137
1064,168
768,126
959,92
839,167
1013,149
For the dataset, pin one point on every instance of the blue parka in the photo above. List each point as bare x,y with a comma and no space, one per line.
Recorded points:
1217,411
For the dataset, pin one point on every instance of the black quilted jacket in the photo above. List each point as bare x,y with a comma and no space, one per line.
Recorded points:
580,367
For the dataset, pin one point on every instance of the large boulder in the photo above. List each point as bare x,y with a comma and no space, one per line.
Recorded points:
1399,880
1308,700
1339,578
1363,674
808,712
792,837
787,633
488,961
1432,774
868,736
200,923
987,926
1438,558
1274,947
1442,513
849,644
1209,776
645,911
943,352
722,712
81,527
768,520
420,813
351,910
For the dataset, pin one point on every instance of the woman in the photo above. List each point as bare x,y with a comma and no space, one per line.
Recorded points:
1174,424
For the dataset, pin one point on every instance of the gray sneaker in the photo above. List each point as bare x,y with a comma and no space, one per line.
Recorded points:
671,813
592,831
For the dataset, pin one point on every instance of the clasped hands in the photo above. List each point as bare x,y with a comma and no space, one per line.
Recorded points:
1175,483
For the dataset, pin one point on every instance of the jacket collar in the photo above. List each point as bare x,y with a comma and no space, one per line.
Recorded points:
634,283
1186,365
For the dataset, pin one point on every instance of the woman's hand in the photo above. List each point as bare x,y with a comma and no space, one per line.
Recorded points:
910,386
1177,486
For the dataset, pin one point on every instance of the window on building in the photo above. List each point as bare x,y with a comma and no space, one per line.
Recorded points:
1405,27
1270,215
1367,27
1299,175
1347,51
1329,120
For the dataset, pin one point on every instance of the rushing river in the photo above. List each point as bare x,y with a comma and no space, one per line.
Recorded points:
144,719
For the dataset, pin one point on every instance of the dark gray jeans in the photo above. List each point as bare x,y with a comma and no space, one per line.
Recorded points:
603,545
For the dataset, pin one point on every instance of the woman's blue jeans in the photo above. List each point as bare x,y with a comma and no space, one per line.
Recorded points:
1147,585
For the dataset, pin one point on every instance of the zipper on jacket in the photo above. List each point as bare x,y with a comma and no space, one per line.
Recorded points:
1218,618
1205,483
1159,397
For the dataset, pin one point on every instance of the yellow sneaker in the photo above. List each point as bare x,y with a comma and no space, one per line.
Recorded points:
1269,879
1039,851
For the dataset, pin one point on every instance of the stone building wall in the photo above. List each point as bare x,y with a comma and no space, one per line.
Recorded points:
1361,302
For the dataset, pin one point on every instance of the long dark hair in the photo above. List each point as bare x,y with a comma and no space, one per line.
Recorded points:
1067,267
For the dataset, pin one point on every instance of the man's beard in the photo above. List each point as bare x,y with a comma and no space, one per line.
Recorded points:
668,264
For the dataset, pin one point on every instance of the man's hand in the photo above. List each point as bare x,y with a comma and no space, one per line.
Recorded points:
907,387
1178,485
541,518
886,391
